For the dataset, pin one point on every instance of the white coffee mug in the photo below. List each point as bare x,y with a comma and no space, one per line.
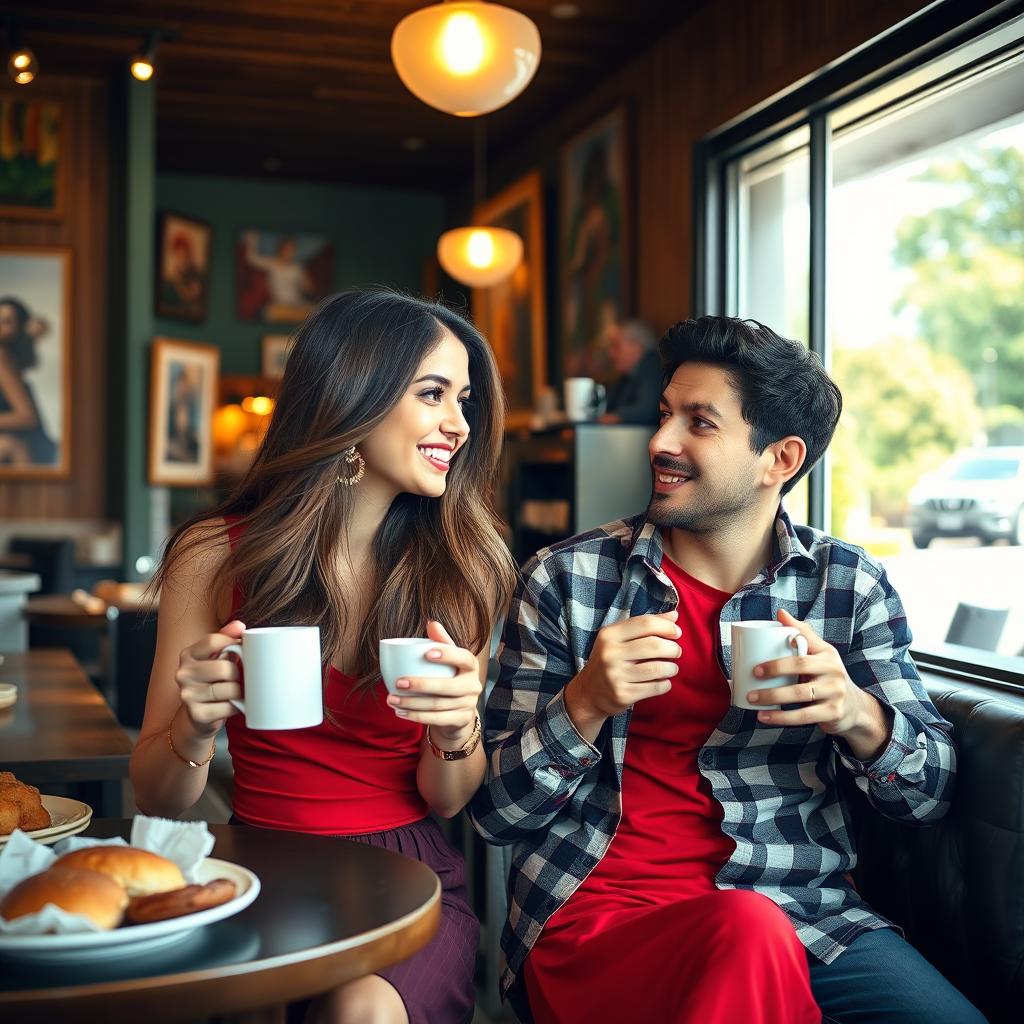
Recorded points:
405,656
584,399
754,643
283,677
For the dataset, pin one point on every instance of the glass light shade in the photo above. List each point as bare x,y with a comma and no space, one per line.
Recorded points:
479,257
466,57
22,66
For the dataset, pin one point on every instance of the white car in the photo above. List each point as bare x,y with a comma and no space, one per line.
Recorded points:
978,493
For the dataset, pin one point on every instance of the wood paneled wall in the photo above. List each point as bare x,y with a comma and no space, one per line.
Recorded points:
725,58
84,230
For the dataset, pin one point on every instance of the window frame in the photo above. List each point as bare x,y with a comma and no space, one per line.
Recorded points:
930,43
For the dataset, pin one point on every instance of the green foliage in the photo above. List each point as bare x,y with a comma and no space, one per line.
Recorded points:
967,261
906,409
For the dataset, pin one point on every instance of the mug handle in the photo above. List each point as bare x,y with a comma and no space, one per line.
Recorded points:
235,649
600,399
798,640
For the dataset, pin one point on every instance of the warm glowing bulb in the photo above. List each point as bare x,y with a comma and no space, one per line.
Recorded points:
22,65
462,44
258,404
480,249
142,69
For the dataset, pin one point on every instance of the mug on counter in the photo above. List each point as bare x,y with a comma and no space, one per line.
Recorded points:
584,398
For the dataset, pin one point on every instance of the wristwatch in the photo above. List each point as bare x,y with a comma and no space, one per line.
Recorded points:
457,755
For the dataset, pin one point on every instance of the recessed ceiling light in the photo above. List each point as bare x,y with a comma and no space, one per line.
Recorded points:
565,11
413,143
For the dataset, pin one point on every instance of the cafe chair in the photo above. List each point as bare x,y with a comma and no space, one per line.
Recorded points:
52,560
977,626
132,639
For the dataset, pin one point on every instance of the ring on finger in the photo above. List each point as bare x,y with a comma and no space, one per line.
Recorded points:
812,691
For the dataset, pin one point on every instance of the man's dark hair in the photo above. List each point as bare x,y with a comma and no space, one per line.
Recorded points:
783,388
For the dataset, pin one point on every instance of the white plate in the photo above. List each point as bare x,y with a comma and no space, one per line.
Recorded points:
140,938
67,817
8,695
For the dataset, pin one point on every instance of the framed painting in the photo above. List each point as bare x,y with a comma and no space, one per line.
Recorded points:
32,158
510,314
281,277
594,233
273,354
183,385
182,267
35,354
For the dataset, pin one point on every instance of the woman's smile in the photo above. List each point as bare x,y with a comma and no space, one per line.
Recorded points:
438,455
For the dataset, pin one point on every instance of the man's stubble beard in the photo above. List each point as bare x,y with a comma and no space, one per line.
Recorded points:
705,515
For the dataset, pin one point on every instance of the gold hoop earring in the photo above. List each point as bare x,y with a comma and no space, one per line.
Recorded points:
356,466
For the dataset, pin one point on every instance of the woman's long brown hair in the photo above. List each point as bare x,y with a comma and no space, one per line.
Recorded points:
434,558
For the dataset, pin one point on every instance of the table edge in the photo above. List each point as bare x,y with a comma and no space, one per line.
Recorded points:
24,997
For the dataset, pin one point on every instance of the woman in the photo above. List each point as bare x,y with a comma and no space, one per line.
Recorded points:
365,513
23,438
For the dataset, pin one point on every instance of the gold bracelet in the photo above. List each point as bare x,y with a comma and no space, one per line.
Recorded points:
191,764
456,755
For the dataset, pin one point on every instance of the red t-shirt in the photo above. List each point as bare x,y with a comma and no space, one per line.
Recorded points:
353,773
669,844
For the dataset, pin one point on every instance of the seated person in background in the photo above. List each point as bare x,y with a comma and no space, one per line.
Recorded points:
679,859
632,351
364,513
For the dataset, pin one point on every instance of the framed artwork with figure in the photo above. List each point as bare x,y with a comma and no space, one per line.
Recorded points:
35,362
183,386
182,267
510,314
593,241
33,158
282,276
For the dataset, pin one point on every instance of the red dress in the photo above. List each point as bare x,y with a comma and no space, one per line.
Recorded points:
355,773
355,776
647,936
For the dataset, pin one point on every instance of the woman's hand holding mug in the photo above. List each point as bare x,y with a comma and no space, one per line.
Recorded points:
208,682
434,682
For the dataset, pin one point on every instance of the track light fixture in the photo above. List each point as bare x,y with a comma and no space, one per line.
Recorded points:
143,64
22,65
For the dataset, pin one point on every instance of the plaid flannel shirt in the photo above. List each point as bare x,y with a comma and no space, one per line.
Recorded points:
559,799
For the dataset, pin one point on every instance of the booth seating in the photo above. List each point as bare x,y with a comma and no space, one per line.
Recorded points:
957,887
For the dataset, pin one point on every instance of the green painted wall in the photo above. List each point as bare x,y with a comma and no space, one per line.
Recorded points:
133,182
381,236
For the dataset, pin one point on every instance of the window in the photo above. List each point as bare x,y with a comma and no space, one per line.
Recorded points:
882,221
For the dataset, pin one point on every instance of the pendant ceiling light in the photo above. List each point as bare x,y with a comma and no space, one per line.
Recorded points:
479,256
466,57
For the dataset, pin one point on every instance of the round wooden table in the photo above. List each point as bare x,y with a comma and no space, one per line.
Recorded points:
329,911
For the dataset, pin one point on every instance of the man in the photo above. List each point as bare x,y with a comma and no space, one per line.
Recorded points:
633,398
679,859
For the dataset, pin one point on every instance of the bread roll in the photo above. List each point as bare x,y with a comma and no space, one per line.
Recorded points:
89,893
140,872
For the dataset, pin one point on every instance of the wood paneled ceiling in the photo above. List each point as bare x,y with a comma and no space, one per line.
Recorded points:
305,89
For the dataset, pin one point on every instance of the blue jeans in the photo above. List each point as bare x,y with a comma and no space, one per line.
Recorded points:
882,979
